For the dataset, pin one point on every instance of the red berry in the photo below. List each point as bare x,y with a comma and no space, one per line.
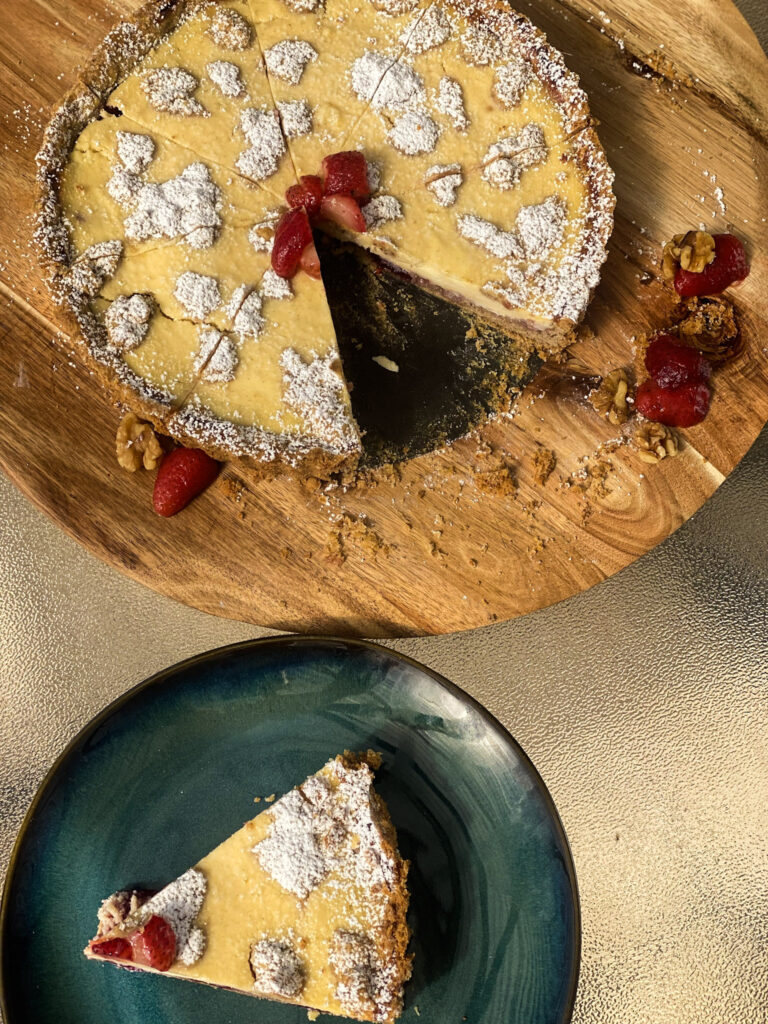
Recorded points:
292,236
346,174
729,266
310,262
344,211
308,193
672,364
676,407
155,944
184,473
120,949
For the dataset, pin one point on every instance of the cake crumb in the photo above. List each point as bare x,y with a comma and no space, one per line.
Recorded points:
544,461
313,1014
269,799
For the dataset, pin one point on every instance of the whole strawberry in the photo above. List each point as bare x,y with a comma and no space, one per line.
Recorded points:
674,407
184,473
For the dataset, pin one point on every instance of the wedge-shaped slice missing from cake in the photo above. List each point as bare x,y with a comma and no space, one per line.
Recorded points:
304,904
528,255
274,391
205,86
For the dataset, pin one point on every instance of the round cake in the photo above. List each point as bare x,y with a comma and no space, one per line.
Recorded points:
163,179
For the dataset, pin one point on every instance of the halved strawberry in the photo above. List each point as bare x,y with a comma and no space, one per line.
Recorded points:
292,236
308,193
184,473
120,949
155,944
310,262
676,407
671,364
730,266
346,174
344,211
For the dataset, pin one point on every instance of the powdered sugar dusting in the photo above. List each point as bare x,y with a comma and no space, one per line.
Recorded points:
275,287
169,90
444,181
127,320
506,159
287,59
385,83
414,132
230,30
93,267
510,82
450,101
262,234
267,144
429,30
276,968
226,77
295,117
216,359
381,210
248,321
187,206
135,151
540,227
197,293
502,244
364,982
316,392
179,903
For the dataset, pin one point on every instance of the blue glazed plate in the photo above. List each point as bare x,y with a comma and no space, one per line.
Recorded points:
171,768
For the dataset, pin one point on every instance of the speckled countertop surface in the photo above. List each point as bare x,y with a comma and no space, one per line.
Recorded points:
644,704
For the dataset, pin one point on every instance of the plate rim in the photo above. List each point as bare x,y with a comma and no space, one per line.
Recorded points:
296,640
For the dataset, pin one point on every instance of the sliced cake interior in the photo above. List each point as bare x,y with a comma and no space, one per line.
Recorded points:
305,904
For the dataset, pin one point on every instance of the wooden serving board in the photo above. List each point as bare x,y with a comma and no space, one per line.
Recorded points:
683,107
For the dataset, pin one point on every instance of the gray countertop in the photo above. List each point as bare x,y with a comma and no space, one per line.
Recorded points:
644,704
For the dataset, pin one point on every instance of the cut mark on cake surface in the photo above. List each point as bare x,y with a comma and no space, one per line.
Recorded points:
277,969
127,321
169,90
216,360
230,30
288,59
444,181
247,321
197,293
450,101
262,234
93,268
267,143
385,83
296,118
506,159
429,30
226,77
186,207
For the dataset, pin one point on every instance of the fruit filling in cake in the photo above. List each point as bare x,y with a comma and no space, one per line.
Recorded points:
304,904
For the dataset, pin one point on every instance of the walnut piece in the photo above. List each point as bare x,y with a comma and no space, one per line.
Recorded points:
137,444
710,325
610,398
654,442
692,251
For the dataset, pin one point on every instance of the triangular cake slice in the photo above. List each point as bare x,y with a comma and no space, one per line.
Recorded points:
304,904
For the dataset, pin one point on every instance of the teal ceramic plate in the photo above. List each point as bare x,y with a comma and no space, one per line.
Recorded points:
171,768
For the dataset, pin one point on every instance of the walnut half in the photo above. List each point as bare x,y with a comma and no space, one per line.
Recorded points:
137,444
692,251
610,398
654,442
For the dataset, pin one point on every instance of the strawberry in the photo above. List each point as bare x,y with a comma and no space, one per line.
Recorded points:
344,211
310,261
729,266
184,473
346,174
292,236
675,407
154,945
308,193
672,364
120,949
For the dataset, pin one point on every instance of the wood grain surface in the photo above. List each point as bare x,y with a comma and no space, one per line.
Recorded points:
435,546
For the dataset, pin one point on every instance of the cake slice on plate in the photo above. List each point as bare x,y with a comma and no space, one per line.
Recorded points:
304,904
